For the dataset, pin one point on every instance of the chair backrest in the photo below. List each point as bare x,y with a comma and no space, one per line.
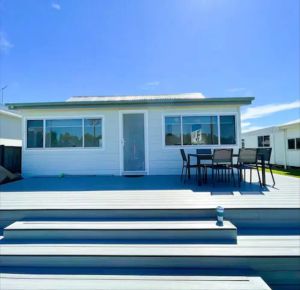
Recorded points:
247,156
266,152
203,151
222,156
183,155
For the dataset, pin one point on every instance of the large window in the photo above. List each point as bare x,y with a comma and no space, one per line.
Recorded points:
35,133
263,141
173,130
294,143
65,133
199,130
227,129
92,133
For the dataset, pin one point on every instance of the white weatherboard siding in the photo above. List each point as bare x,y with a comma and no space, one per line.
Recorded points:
75,161
106,160
279,136
10,129
293,156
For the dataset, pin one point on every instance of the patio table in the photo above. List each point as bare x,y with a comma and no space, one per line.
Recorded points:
210,156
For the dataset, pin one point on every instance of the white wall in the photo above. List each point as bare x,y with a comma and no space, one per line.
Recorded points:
10,130
293,156
281,155
78,161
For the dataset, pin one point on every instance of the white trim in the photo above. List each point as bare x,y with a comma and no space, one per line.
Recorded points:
121,147
46,118
188,114
11,114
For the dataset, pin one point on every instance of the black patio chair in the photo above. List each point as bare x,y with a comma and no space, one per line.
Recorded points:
204,151
186,165
266,153
247,159
222,165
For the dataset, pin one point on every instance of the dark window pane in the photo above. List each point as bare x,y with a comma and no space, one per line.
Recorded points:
64,133
297,143
227,129
173,131
92,133
291,143
200,130
260,141
35,133
266,141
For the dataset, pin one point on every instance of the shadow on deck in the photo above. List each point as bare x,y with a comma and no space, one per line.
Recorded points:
134,183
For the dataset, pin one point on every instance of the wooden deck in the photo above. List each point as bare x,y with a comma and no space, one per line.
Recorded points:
129,282
148,192
267,222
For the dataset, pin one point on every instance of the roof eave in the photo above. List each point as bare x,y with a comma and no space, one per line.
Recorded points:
85,104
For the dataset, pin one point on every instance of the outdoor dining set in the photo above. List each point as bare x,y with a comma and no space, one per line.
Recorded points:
223,163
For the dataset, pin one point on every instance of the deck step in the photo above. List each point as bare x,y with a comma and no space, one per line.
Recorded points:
206,231
112,282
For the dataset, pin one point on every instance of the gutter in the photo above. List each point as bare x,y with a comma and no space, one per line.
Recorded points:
93,104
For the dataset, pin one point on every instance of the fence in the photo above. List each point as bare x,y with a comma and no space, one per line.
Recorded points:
10,158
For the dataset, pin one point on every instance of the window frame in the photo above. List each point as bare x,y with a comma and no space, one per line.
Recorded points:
263,142
192,114
295,143
80,117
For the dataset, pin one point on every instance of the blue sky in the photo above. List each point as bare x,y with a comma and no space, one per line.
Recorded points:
51,50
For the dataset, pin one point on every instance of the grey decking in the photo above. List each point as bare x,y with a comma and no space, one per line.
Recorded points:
129,282
171,231
149,192
275,258
247,246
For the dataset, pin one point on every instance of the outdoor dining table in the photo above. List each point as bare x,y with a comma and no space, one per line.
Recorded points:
210,157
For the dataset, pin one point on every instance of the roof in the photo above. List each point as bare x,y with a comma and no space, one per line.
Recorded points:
295,122
192,96
274,128
98,101
5,111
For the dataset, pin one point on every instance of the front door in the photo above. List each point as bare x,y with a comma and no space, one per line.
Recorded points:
133,143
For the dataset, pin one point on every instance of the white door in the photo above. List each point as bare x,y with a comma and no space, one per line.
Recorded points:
133,143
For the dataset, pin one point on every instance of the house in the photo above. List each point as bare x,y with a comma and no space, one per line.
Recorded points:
283,139
126,135
10,128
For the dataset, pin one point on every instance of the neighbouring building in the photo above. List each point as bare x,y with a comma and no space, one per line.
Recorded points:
283,139
124,135
10,128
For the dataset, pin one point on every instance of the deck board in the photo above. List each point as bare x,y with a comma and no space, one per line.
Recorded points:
262,246
149,192
108,282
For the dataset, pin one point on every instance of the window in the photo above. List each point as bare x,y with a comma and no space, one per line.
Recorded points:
65,133
294,143
227,129
291,143
298,143
199,130
263,141
173,130
92,132
35,133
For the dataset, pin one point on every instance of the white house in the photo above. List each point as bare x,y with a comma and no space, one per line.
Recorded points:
10,128
124,135
283,139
